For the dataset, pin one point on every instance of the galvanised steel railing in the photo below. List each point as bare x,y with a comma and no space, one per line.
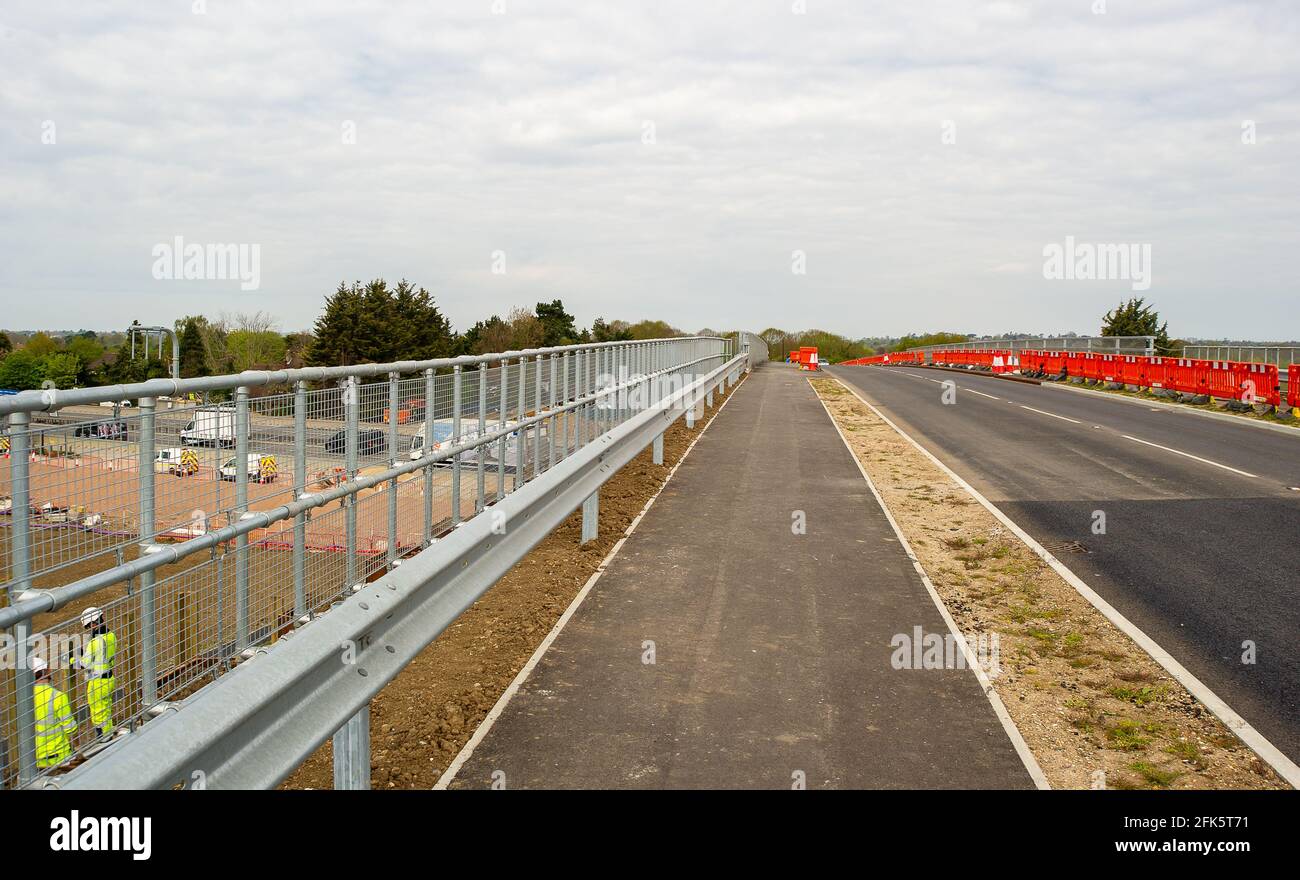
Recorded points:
1144,345
206,532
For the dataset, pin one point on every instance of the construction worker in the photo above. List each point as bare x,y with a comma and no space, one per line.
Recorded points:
97,661
54,722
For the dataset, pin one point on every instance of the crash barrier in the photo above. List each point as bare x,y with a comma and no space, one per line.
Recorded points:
1227,380
805,358
194,576
995,360
902,357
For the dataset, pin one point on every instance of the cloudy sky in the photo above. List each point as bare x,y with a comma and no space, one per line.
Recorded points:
664,159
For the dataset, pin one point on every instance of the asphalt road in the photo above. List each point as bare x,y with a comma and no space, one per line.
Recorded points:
772,649
1201,553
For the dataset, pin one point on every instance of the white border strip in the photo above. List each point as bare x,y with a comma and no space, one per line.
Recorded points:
1271,754
1189,455
1174,407
485,726
972,662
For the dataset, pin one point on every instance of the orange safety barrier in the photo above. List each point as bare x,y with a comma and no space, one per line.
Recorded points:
1293,385
1228,380
902,357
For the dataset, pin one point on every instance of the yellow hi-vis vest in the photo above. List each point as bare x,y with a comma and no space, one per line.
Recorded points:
98,658
54,723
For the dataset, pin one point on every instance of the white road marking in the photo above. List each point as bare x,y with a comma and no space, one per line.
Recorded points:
481,732
972,662
981,393
1043,412
1272,755
1189,455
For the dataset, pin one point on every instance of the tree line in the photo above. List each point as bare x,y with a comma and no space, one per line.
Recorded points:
377,322
374,322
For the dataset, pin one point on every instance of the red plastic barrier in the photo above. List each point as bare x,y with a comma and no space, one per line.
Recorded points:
1293,384
902,357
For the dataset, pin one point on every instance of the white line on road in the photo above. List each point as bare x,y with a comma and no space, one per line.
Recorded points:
1272,755
1043,412
1189,455
981,393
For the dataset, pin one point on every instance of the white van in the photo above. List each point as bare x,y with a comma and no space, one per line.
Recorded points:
262,468
442,429
173,461
211,426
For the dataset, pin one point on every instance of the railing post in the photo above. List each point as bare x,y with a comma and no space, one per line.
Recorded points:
537,411
393,394
565,417
427,449
659,449
352,753
502,411
148,525
521,435
299,489
20,569
590,517
241,507
552,425
480,497
351,434
455,441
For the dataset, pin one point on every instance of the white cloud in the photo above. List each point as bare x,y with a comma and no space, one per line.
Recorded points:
773,132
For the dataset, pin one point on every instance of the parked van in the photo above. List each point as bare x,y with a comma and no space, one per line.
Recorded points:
211,426
176,460
442,429
262,468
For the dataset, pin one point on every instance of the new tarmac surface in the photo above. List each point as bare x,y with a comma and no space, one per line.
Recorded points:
722,648
1201,541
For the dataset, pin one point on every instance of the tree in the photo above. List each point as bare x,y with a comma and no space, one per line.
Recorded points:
41,344
917,340
61,368
194,361
255,350
6,344
1135,318
614,331
87,351
557,324
376,324
21,371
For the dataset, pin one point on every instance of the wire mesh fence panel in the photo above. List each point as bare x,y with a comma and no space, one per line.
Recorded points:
103,490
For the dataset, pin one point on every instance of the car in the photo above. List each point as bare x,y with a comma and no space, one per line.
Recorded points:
110,429
368,443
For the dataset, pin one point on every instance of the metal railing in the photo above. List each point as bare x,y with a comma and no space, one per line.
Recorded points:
206,533
1144,345
1282,355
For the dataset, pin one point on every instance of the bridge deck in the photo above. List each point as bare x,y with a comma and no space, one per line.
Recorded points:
772,649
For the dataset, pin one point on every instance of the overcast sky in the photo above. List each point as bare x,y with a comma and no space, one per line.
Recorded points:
656,159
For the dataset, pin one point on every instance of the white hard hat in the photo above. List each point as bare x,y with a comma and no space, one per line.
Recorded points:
38,665
91,615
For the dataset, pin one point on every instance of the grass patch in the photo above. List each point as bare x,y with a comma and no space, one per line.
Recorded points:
1185,750
1138,696
1153,775
1127,736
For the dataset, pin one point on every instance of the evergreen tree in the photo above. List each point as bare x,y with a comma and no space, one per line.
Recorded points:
557,324
1135,318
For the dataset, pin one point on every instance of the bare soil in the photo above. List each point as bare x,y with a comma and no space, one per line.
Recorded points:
422,719
1093,707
